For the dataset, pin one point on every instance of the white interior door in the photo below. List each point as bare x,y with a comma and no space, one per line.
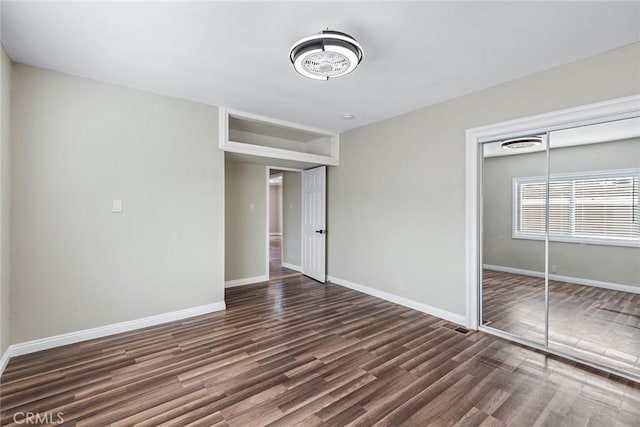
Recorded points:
314,232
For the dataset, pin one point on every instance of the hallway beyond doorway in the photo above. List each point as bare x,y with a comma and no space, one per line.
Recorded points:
276,270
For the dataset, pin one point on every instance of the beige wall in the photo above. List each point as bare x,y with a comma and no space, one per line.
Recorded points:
613,264
78,144
292,218
397,200
275,209
5,198
246,222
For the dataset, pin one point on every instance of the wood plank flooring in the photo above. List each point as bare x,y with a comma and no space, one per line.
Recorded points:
294,352
596,324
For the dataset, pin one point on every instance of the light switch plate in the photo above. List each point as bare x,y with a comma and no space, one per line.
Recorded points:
116,206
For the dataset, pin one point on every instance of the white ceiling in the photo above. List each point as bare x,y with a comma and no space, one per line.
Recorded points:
236,53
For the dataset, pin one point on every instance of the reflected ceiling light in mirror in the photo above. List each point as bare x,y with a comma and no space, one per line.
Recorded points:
522,143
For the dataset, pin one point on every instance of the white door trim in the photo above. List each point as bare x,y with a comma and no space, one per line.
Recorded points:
618,108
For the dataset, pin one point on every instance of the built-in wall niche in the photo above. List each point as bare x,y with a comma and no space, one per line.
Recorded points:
247,133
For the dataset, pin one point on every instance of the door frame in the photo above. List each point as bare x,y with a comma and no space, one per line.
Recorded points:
268,170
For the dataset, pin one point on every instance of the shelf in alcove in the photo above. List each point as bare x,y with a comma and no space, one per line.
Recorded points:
246,133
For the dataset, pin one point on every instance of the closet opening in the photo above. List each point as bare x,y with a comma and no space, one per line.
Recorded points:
557,234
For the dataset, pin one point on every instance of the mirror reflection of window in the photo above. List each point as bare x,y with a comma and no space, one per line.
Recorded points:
570,213
594,260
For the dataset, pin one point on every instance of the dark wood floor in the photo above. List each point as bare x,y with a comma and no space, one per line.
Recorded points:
295,352
593,323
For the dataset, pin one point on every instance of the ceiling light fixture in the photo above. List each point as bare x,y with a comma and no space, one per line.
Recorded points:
348,116
326,55
522,142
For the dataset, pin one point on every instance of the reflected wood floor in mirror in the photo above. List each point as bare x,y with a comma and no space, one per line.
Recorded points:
596,324
296,352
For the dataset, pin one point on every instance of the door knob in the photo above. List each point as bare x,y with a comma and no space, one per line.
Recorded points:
321,231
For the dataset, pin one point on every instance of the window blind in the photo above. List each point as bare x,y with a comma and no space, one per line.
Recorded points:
590,206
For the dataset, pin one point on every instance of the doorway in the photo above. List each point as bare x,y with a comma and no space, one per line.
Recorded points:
284,207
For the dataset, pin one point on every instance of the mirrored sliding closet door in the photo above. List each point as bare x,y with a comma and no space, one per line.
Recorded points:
594,252
561,242
513,286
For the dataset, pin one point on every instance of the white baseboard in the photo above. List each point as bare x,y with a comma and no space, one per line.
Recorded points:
103,331
292,267
246,281
4,360
568,279
424,308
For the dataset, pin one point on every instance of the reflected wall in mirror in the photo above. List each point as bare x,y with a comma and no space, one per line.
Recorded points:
511,301
594,243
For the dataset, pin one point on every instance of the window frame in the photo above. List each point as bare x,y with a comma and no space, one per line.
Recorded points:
573,176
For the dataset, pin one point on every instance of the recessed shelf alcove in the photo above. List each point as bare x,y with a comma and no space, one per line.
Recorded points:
247,133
